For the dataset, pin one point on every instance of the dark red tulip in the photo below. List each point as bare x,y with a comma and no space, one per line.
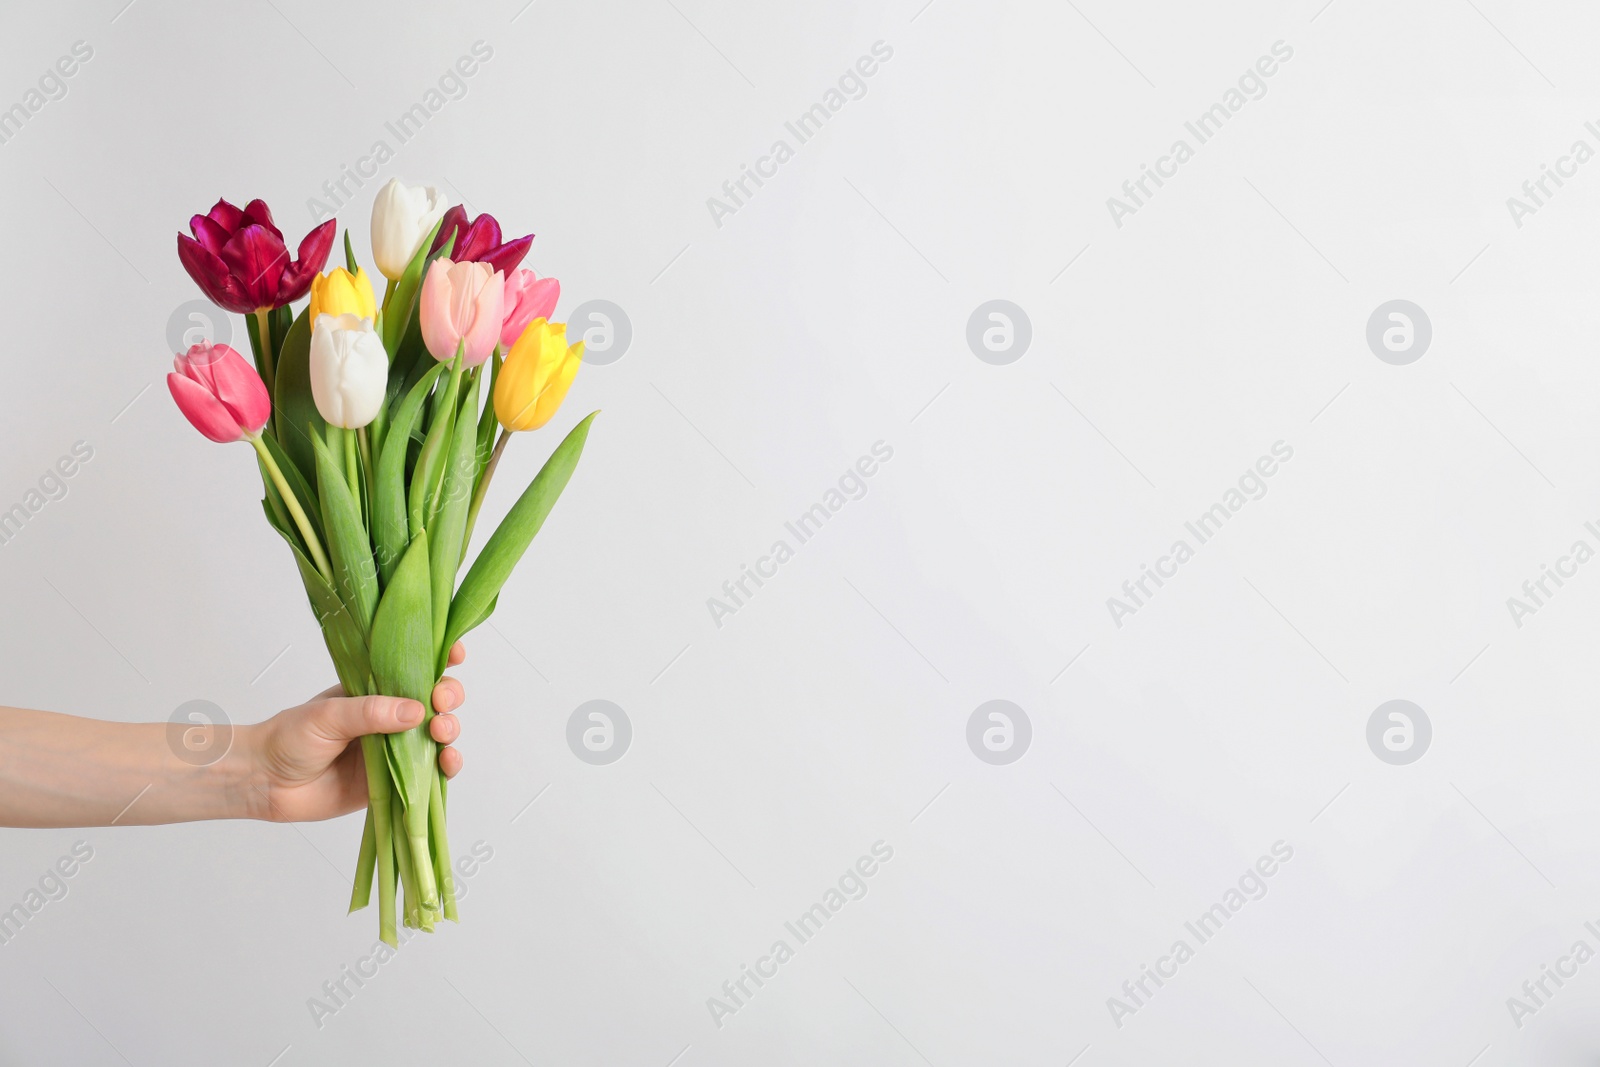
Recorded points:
479,241
239,260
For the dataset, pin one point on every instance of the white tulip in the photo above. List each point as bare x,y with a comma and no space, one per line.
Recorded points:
402,218
349,370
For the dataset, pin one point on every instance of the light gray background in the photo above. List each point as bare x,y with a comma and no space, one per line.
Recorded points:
831,312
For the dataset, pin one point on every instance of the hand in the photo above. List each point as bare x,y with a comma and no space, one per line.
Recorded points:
306,762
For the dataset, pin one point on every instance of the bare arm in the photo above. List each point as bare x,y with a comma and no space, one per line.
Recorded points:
302,764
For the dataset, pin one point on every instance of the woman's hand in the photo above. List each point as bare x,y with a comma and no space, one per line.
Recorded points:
305,763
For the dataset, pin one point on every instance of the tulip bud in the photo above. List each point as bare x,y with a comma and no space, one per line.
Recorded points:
220,393
339,292
349,370
534,379
402,218
527,297
461,302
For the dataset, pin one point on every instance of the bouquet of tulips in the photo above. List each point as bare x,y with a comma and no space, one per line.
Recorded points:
374,426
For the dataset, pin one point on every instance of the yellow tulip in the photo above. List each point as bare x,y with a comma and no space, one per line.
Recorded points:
339,292
534,379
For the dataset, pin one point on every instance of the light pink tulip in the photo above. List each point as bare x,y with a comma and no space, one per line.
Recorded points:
528,297
462,302
220,393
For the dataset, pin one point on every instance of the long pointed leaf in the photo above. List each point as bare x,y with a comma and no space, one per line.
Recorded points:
355,577
389,525
293,406
402,665
473,601
448,527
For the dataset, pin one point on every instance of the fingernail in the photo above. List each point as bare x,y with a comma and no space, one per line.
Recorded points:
410,712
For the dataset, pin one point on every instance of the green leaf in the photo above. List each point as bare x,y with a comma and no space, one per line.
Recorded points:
474,600
487,423
389,524
402,665
349,253
293,407
349,551
449,524
423,499
346,644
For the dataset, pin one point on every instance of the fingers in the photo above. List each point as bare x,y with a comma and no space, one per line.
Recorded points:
448,695
458,654
450,762
346,718
445,729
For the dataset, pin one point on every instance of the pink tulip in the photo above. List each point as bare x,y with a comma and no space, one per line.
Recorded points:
220,393
528,297
462,302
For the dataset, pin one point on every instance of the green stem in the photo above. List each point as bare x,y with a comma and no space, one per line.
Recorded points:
441,847
352,469
268,366
402,857
380,805
361,891
366,458
293,504
483,490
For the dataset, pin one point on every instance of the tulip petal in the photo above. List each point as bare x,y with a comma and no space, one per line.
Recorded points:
225,215
508,256
203,410
256,213
211,274
210,234
257,259
313,256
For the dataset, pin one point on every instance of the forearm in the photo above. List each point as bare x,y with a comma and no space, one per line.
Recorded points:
62,770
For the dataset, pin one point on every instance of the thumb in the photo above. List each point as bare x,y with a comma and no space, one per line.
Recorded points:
347,718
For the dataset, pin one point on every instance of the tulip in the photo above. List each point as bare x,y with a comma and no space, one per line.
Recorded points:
461,303
479,241
402,218
534,379
528,297
220,393
239,260
339,292
349,370
226,400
